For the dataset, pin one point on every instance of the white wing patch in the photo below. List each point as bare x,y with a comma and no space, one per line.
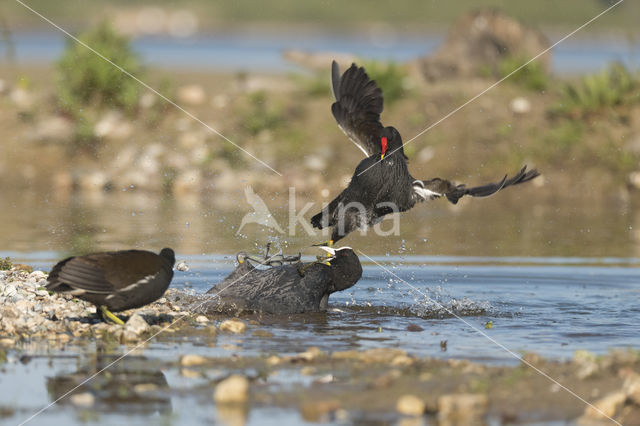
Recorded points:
366,154
424,193
143,281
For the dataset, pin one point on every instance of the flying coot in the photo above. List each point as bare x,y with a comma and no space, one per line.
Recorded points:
382,183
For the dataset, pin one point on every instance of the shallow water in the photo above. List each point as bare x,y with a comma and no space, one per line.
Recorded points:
552,306
239,51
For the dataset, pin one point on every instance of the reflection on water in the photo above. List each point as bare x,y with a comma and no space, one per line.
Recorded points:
507,224
129,386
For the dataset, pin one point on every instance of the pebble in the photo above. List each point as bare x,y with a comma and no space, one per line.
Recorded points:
606,406
84,399
145,388
310,354
410,405
191,360
191,95
463,408
233,326
520,105
632,387
234,389
136,325
201,319
182,266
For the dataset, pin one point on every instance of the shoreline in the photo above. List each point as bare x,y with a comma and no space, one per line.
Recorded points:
353,385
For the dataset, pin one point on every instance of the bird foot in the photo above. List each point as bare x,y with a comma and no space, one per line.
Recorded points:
328,243
278,259
108,316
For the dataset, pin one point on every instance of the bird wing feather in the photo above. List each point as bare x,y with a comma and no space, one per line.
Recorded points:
440,187
359,103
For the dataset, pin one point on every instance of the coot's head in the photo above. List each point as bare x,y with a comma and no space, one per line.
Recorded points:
345,269
168,255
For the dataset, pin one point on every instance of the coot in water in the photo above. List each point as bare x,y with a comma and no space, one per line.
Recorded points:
382,183
287,288
114,281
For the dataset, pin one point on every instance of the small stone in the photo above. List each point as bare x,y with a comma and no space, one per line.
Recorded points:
520,105
9,291
274,360
310,354
606,406
402,361
462,408
201,319
84,399
381,355
410,405
191,95
631,387
189,373
233,326
182,266
145,388
634,179
37,276
7,342
113,125
234,389
192,360
136,325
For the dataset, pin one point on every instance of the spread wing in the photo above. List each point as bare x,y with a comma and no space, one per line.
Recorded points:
358,106
435,188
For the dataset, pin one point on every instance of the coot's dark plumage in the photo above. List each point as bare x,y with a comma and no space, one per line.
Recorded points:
382,183
289,288
116,280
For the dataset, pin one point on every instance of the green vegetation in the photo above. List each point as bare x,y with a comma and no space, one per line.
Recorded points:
532,77
599,93
5,264
392,78
409,15
261,115
86,79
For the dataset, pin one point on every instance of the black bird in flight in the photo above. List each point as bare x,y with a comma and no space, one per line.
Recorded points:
382,183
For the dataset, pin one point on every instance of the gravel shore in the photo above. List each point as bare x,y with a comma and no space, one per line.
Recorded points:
29,311
339,385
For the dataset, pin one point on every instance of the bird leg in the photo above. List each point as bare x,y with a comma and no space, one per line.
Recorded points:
107,315
328,243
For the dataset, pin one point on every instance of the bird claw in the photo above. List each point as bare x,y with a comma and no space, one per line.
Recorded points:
328,243
278,259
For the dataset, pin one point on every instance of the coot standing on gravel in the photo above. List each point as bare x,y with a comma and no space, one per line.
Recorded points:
116,280
382,183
